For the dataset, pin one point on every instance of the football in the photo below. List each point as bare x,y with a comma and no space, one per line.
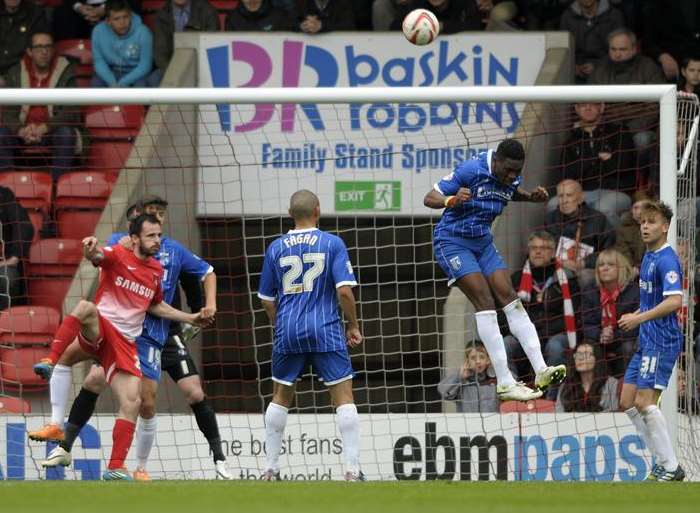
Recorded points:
420,27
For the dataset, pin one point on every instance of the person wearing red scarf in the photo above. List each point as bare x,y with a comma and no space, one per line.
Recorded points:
55,127
617,293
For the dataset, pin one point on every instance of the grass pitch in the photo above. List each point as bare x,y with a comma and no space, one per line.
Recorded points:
338,497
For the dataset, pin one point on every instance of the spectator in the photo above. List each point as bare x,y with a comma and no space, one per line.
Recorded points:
18,19
617,294
601,157
545,288
180,16
457,16
17,234
325,16
581,232
122,49
473,386
587,388
258,15
689,81
628,239
623,64
590,22
75,20
672,33
57,127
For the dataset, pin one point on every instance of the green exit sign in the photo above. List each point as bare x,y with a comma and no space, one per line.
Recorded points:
379,196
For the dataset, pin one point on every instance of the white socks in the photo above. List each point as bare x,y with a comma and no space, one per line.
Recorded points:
490,335
145,436
275,422
349,426
522,328
59,389
642,429
658,434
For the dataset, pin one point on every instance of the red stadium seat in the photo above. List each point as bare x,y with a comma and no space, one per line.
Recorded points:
152,5
224,5
14,405
536,406
77,49
28,325
114,122
49,292
33,190
54,257
109,157
80,199
16,367
149,19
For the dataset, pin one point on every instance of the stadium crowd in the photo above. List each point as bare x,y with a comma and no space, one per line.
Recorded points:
588,250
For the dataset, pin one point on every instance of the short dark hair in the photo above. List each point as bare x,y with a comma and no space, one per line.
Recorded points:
137,224
30,41
511,149
658,207
152,199
116,6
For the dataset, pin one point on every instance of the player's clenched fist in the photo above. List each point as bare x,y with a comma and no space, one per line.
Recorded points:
354,337
89,246
463,194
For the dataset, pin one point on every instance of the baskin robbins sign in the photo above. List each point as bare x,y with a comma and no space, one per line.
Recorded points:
253,156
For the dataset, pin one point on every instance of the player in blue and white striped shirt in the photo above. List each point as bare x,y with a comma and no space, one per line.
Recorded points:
473,195
306,274
660,340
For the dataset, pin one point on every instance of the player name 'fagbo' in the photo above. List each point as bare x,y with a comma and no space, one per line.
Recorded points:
302,238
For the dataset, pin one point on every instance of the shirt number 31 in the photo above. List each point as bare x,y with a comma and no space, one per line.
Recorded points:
296,268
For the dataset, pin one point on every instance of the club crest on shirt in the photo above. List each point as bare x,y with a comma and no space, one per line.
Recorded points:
456,263
164,258
672,276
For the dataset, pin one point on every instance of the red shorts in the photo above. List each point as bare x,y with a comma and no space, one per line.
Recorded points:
113,350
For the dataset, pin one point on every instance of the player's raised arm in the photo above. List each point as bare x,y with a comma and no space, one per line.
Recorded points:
166,311
92,250
538,195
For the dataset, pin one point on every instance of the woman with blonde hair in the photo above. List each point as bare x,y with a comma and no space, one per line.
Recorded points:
616,293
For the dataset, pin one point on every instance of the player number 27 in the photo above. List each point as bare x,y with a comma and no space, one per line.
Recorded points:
296,268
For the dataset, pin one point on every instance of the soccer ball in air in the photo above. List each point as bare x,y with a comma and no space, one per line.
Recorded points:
420,27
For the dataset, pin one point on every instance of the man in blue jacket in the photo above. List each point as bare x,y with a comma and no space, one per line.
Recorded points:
122,49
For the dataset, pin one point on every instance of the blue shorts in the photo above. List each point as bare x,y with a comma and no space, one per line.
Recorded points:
149,358
332,368
459,257
651,368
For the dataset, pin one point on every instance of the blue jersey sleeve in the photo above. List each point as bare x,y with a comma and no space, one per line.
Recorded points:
341,266
462,176
269,280
668,270
191,263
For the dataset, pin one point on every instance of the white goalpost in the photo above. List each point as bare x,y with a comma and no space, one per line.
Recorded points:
228,192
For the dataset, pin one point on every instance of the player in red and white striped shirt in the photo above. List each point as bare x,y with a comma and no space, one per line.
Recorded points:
129,286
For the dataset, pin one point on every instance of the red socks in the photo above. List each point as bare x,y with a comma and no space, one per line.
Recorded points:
66,333
122,436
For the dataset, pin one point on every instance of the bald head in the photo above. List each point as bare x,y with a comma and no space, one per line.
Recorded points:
304,204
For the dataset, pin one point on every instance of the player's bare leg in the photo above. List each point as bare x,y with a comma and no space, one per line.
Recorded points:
524,330
81,411
477,289
349,426
127,390
59,390
191,387
668,468
146,429
275,423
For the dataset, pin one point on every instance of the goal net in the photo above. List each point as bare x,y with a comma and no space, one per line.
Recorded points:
227,166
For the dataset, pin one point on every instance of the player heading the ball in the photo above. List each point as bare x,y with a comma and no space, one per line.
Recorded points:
473,195
306,274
